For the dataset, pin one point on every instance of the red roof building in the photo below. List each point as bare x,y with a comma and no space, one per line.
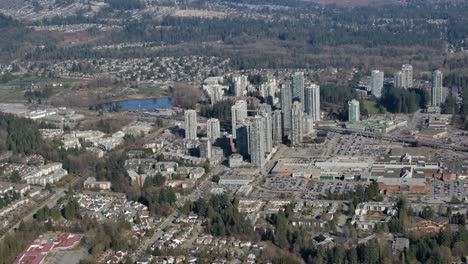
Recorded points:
39,249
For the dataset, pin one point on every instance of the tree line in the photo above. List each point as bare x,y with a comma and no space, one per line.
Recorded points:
400,100
222,214
19,135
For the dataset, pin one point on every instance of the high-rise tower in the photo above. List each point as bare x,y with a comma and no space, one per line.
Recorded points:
312,101
354,111
297,124
238,114
298,86
190,124
213,129
377,81
286,103
264,110
437,88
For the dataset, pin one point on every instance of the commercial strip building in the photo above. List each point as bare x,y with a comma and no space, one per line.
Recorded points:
322,168
379,126
236,179
404,173
37,252
407,173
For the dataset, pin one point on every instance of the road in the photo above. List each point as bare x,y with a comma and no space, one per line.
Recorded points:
51,202
196,193
269,165
148,242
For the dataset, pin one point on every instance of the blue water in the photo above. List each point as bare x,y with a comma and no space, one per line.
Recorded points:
141,104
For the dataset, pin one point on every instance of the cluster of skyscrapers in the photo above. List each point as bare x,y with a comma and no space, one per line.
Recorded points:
404,79
256,135
213,132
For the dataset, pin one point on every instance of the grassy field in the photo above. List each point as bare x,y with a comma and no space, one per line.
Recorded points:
7,93
371,107
151,90
14,90
41,81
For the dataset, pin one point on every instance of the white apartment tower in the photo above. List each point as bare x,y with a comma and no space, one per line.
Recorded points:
308,126
437,88
297,124
239,84
312,101
377,81
277,127
404,78
256,142
298,86
238,114
264,110
268,89
286,104
190,124
398,79
407,74
213,129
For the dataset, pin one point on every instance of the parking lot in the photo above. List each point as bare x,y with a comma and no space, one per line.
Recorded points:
323,187
70,256
354,145
440,189
279,183
265,194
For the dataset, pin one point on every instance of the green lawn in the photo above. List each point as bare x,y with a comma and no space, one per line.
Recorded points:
34,80
151,90
371,107
10,94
